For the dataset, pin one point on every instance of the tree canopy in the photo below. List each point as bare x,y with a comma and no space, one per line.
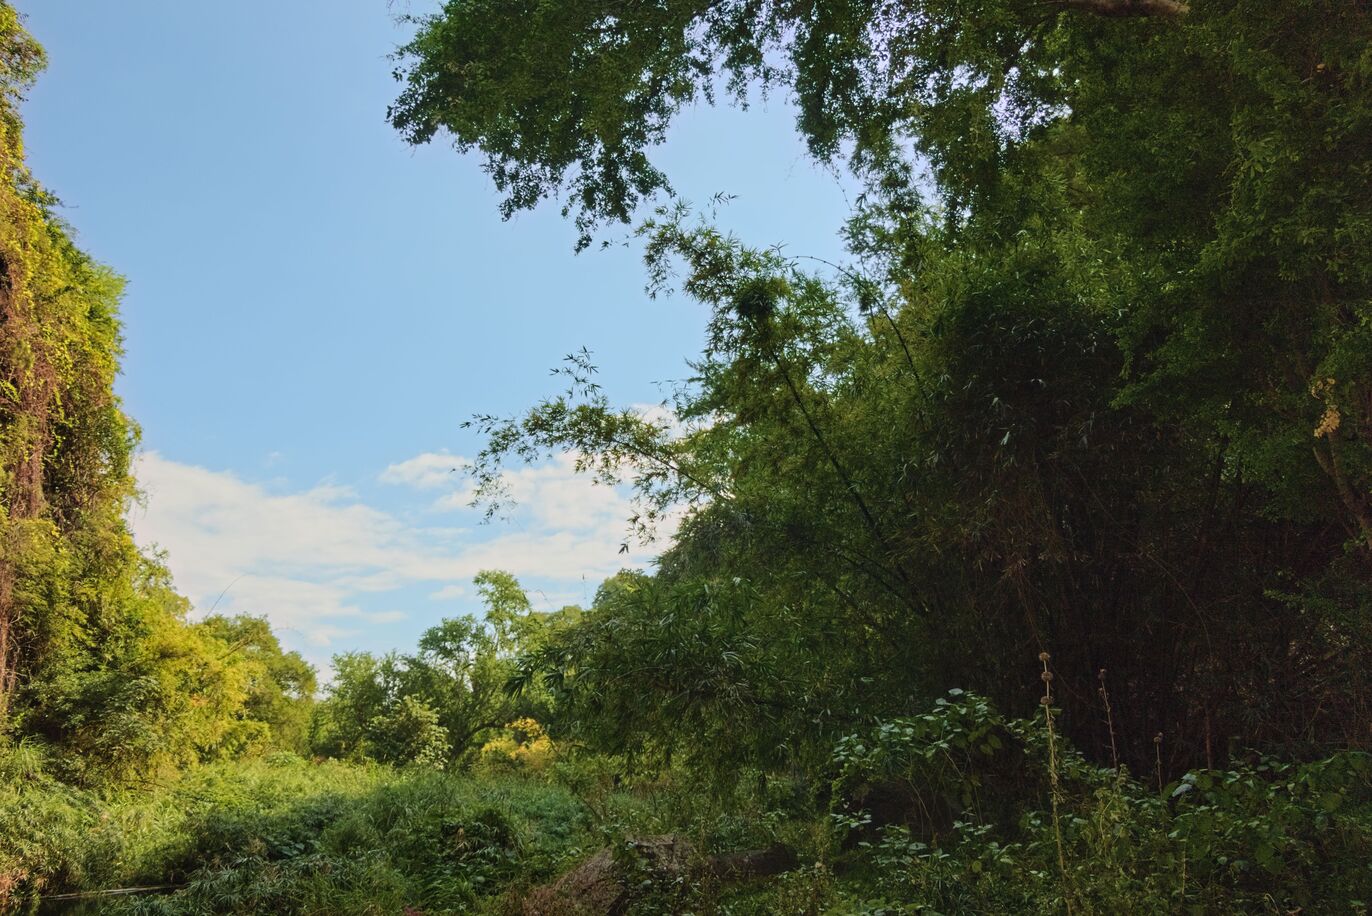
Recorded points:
1096,379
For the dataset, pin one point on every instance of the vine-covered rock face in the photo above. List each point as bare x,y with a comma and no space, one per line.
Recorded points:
97,660
64,443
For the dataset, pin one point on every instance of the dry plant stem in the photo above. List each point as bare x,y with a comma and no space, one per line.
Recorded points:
1109,721
1055,791
1157,751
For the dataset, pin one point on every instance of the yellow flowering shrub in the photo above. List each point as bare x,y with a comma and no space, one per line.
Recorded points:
524,747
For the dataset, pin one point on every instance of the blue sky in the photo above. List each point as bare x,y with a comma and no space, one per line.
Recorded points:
314,307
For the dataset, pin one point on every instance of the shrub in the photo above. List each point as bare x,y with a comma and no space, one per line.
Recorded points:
1262,836
524,748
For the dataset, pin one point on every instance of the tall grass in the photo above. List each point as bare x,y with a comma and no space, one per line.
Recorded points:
287,836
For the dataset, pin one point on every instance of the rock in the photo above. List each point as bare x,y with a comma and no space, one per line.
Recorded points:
752,863
600,886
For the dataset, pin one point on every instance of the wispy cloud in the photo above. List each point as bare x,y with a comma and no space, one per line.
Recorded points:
328,565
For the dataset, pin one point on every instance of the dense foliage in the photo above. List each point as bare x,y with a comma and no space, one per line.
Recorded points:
1024,562
1097,380
437,705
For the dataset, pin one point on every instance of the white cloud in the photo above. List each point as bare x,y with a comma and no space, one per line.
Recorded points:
553,496
660,415
427,471
322,563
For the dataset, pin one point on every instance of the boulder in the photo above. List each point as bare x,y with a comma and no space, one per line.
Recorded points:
602,885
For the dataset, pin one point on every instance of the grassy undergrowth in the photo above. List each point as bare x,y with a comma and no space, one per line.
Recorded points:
956,811
283,835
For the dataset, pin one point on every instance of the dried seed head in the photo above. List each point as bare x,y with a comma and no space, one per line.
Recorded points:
1157,739
1046,676
1101,674
1045,701
1044,656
